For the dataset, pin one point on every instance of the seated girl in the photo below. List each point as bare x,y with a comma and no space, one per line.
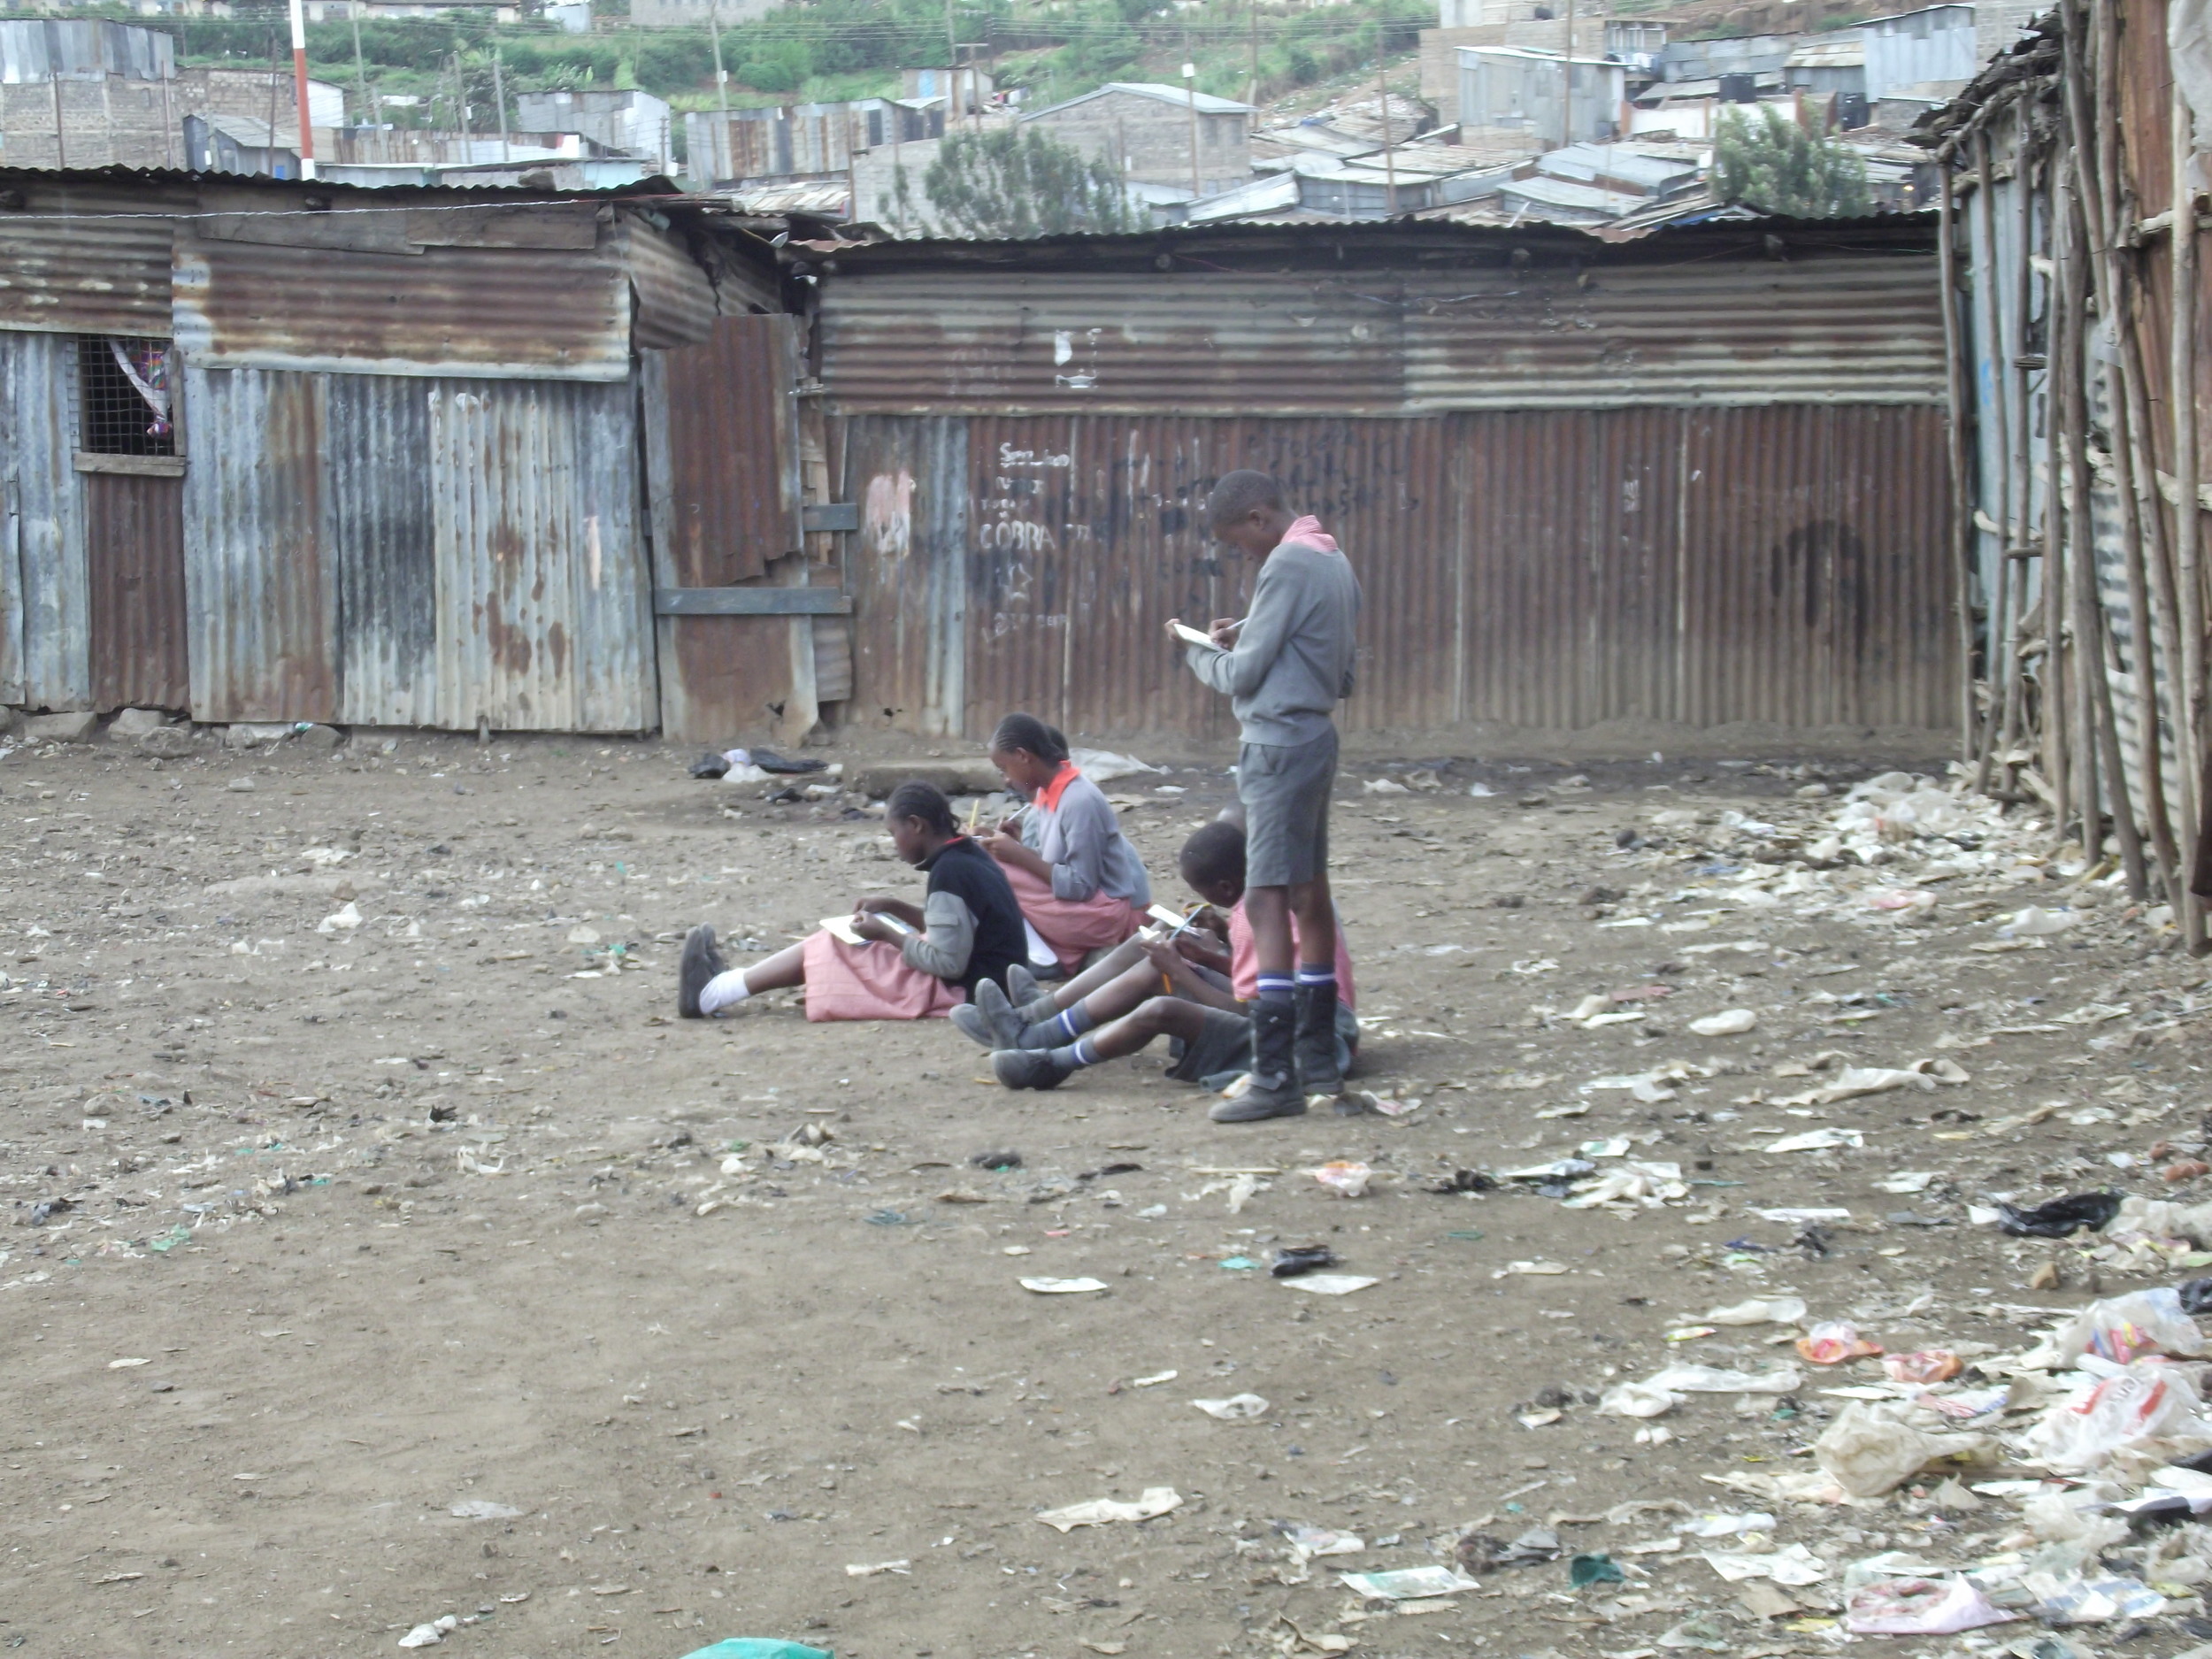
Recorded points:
1080,881
914,962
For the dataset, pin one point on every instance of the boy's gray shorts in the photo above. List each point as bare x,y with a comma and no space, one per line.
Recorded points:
1285,795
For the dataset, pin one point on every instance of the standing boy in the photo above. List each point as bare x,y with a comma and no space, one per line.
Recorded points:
1284,667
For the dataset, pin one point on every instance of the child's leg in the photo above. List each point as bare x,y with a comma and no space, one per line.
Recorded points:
1048,1068
1312,903
780,972
1068,992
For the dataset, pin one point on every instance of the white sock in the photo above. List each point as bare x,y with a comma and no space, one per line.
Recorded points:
725,990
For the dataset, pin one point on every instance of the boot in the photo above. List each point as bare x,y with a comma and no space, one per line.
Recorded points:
1022,989
998,1014
1316,1043
1274,1091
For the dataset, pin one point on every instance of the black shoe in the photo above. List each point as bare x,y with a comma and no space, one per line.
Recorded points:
1315,1045
700,962
1031,1068
1274,1091
998,1013
968,1019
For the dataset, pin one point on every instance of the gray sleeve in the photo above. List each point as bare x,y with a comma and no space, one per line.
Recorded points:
1267,628
944,950
1087,830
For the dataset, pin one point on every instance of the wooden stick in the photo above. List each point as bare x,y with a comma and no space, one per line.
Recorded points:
2085,657
1989,307
2023,466
2182,400
2059,738
1962,504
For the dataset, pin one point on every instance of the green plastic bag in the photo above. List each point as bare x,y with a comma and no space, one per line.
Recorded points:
758,1648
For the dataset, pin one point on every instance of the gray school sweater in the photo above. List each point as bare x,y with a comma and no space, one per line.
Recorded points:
1293,661
1083,842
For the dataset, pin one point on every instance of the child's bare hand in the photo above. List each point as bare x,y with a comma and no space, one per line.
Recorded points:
869,926
1222,632
998,843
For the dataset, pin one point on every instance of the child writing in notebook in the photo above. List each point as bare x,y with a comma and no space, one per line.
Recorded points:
911,962
1080,881
1199,998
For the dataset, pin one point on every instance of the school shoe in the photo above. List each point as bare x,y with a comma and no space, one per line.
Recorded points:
1315,1044
1022,989
700,963
1274,1091
1031,1068
1005,1026
969,1021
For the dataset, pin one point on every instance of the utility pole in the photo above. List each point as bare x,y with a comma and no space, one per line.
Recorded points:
461,91
360,68
53,79
299,90
952,68
499,96
1252,94
1382,102
1190,87
273,77
718,152
1567,84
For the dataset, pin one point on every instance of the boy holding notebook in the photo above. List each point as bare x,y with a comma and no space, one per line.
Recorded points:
1285,666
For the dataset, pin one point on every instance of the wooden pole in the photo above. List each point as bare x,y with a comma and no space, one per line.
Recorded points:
1567,84
499,96
2061,739
2085,658
2181,398
1382,107
1190,91
2022,466
1961,503
718,151
1989,306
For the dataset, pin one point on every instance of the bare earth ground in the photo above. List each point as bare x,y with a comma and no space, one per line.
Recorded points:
459,1229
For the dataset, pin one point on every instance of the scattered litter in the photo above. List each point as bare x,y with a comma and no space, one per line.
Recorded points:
1235,1408
1154,1501
1925,1365
871,1569
431,1634
1795,1565
1729,1023
1293,1260
1344,1178
1762,1310
1155,1380
1919,1607
1407,1582
1833,1342
1062,1286
2060,1217
1331,1284
484,1509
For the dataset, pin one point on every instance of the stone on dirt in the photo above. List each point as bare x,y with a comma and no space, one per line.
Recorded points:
80,727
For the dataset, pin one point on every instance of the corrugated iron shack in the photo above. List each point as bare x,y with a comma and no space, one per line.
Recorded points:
1684,483
282,451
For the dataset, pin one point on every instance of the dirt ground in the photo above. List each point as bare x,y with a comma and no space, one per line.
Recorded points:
320,1231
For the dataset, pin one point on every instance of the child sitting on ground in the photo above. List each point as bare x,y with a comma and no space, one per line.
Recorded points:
1081,883
965,934
1119,1006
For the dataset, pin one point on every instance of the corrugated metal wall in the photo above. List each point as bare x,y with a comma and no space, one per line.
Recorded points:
134,570
451,550
1546,568
1839,329
544,599
88,258
45,608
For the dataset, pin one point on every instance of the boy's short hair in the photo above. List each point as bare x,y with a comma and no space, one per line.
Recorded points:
1214,856
1236,494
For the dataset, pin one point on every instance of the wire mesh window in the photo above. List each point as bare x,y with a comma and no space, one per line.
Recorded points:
123,395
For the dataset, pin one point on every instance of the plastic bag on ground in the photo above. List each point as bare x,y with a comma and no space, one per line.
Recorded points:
1920,1607
1101,765
1637,1400
2062,1216
1833,1341
1760,1310
2073,1598
1707,1379
1868,1451
758,1648
2149,1401
2124,1329
2162,1218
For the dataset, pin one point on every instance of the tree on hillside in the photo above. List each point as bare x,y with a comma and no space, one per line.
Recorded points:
1771,163
1018,182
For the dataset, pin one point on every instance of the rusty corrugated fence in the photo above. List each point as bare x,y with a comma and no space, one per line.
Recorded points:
1704,489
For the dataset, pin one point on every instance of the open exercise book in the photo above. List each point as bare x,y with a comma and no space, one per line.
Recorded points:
1184,631
841,928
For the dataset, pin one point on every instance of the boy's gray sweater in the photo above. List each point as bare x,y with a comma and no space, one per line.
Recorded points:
1293,661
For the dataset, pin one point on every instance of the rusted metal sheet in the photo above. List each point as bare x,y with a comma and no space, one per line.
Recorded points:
261,600
673,302
1815,588
1836,329
965,340
721,455
1535,570
376,487
722,475
77,258
544,597
45,624
134,575
1818,330
489,312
